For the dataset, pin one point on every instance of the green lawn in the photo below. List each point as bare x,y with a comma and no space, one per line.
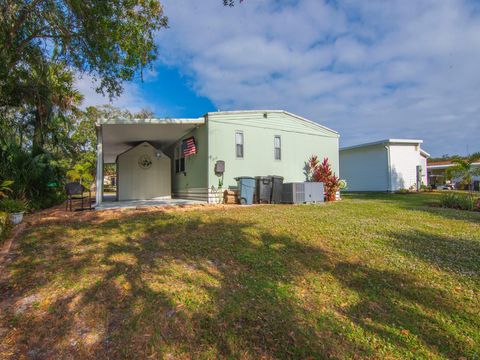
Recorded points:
372,276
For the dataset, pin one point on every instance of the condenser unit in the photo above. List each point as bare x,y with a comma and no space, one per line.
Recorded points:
302,192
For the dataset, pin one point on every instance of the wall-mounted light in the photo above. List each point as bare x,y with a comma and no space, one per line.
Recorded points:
158,154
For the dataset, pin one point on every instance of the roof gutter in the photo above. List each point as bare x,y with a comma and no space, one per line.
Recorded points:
389,170
384,142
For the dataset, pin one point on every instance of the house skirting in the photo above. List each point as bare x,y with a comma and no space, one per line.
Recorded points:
212,196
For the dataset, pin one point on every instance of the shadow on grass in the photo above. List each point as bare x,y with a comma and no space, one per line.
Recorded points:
398,308
169,285
449,253
428,202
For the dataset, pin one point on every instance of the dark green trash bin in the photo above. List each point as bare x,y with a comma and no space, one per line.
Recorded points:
277,189
263,189
246,189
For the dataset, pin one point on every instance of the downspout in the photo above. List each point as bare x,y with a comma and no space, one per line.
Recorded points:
389,170
207,130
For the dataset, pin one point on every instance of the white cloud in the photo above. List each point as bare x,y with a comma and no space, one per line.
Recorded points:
369,69
132,97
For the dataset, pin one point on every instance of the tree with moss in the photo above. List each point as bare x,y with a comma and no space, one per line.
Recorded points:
44,42
110,39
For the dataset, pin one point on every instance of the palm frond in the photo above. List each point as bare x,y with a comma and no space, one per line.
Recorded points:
461,163
474,157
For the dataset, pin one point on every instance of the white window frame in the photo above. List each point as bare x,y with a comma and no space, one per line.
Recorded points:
242,144
279,147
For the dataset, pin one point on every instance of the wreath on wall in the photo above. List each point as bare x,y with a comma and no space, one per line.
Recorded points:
145,162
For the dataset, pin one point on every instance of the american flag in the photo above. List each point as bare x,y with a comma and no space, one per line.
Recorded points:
189,147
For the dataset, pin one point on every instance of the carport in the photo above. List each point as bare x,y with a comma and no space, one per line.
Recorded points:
118,136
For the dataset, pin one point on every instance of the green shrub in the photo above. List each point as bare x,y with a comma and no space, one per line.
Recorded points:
32,175
458,201
5,187
402,191
12,206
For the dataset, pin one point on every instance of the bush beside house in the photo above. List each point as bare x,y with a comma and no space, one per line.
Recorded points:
322,172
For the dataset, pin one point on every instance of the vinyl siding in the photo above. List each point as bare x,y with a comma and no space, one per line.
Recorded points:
365,168
194,183
404,160
135,183
299,140
423,163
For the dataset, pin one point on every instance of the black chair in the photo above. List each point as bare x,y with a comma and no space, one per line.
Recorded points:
75,191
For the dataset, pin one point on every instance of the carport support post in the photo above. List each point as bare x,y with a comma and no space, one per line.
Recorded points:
99,192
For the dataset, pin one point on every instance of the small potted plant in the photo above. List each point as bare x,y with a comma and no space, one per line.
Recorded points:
217,193
15,209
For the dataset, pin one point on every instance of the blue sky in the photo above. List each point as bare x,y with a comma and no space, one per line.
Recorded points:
368,69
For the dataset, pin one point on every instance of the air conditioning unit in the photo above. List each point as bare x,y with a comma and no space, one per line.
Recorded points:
314,192
302,192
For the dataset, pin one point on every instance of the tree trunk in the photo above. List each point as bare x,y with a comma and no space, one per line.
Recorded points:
37,141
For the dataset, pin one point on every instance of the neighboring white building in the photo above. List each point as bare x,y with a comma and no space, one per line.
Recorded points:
386,165
437,175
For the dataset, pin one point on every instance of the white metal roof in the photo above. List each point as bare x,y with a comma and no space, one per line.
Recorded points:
153,121
385,142
424,153
445,166
201,120
273,111
119,134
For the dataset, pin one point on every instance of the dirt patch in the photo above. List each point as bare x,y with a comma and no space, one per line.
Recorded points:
58,214
6,245
23,304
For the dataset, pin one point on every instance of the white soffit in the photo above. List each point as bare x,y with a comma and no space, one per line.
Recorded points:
119,135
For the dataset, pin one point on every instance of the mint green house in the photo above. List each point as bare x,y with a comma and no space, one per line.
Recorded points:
248,143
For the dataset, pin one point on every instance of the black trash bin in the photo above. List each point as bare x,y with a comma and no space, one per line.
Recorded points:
277,189
263,189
